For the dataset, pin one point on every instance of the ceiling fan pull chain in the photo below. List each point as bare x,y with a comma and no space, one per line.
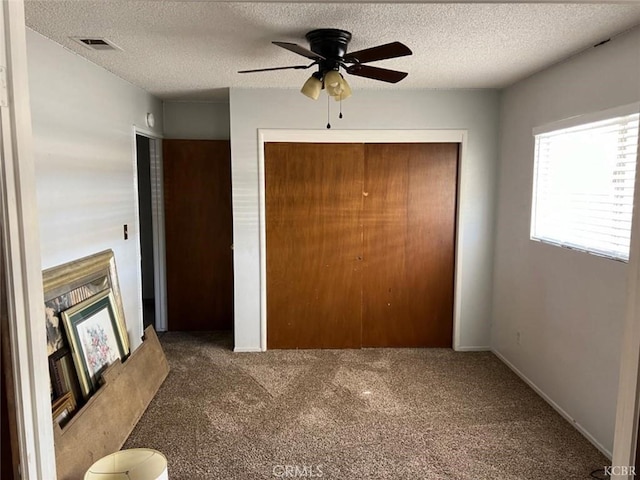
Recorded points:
340,116
328,111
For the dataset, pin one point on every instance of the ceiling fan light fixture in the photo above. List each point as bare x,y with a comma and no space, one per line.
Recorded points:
334,91
312,87
346,91
328,51
333,83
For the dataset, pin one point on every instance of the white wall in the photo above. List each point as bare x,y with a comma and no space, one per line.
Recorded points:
568,306
83,118
196,120
476,111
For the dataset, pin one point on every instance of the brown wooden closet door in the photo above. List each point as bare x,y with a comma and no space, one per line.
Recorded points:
198,225
409,241
314,245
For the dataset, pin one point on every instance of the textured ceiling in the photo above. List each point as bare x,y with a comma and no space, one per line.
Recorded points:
192,50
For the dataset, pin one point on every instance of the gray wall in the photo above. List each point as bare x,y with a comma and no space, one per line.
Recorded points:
476,111
83,119
196,120
568,306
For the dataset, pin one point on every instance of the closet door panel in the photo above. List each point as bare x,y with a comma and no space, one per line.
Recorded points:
314,244
409,221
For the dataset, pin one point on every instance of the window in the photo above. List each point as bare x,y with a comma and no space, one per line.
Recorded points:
583,183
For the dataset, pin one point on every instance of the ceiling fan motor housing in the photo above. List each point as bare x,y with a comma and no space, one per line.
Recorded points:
331,43
328,50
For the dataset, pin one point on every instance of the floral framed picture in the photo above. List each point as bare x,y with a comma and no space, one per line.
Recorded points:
97,338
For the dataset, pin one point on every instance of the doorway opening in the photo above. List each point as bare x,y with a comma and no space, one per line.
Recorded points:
145,220
151,230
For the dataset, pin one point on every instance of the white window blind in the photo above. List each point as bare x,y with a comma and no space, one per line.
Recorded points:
583,186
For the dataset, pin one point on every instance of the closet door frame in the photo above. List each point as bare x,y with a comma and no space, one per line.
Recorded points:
358,136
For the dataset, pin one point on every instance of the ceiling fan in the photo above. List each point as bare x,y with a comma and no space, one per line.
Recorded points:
328,50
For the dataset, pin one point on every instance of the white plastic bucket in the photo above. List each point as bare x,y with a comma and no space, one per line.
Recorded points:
132,464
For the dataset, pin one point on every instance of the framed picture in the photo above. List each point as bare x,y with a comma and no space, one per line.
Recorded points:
58,384
71,283
68,285
97,338
63,408
64,378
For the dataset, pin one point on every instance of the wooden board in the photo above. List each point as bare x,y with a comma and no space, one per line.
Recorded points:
198,226
105,422
314,245
409,244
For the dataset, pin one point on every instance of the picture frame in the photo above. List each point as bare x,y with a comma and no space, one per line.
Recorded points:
63,375
63,408
58,383
97,338
68,284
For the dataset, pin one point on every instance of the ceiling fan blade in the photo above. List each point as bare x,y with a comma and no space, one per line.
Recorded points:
295,48
381,52
295,67
382,74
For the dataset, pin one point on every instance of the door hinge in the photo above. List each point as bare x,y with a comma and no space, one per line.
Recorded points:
4,96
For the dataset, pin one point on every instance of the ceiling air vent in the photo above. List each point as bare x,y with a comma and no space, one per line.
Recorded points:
95,43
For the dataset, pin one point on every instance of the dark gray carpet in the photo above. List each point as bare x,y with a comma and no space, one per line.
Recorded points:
352,414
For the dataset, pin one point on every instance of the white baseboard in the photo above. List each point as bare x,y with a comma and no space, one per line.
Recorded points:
555,406
459,349
247,349
473,349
